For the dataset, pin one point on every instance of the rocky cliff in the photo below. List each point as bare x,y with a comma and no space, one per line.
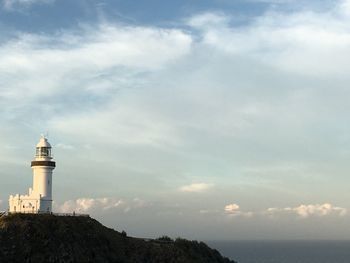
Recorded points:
49,238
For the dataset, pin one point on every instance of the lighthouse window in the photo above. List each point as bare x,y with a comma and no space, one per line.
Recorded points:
43,151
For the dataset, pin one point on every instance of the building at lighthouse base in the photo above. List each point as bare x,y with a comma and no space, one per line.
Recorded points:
32,203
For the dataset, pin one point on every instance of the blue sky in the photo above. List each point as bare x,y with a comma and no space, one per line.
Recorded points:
202,119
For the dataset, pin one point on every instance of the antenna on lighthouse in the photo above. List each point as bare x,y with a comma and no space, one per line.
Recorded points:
45,135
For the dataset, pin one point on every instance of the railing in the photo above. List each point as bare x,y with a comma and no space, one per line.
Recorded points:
44,213
3,213
70,214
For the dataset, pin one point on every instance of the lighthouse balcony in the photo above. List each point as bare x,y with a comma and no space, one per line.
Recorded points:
43,163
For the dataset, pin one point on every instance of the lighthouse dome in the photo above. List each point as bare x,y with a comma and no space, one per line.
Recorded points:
43,143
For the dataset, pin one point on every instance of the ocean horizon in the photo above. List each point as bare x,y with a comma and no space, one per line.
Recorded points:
266,251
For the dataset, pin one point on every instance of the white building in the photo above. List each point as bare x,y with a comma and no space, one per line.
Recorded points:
39,199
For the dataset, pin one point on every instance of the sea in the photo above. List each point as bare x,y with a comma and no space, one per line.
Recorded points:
284,251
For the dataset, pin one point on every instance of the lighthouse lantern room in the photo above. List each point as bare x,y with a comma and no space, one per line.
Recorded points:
39,198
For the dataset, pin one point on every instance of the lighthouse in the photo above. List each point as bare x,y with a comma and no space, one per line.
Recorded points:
39,198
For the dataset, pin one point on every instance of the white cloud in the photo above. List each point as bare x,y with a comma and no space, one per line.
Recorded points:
72,63
343,7
302,211
234,210
196,187
83,205
305,211
304,42
319,210
11,4
99,205
231,208
70,66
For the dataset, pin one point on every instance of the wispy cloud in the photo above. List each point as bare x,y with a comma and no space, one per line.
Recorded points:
196,187
302,211
104,204
89,204
13,4
290,41
305,211
35,56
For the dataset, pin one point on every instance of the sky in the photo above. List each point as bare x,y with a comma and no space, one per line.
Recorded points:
205,119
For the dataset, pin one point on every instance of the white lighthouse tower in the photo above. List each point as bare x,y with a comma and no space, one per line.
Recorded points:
39,199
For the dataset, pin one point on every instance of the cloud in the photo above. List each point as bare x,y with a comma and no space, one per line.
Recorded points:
84,205
72,62
252,58
101,205
234,210
231,208
302,211
303,42
305,211
115,95
75,74
196,187
12,4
